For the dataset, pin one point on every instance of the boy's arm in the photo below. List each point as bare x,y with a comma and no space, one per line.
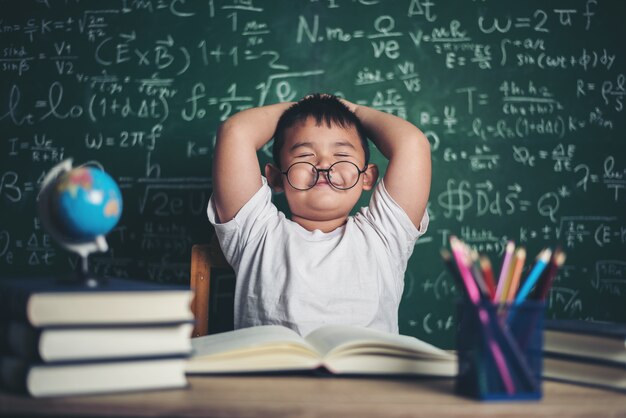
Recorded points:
408,174
236,174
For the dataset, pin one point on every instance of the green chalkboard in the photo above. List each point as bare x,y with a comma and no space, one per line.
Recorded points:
523,103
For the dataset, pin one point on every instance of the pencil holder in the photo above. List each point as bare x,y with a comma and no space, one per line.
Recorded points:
500,350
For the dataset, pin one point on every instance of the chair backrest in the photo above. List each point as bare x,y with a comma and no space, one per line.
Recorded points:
204,258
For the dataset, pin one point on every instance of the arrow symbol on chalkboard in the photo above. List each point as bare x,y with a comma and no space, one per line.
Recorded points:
129,37
515,188
488,185
168,42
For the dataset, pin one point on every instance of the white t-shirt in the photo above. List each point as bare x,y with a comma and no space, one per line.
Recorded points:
290,276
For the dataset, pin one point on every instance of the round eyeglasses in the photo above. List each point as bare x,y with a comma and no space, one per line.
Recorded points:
342,175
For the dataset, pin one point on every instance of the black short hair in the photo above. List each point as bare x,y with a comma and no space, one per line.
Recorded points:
324,108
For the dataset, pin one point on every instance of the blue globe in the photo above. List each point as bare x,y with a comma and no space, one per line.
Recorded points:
86,202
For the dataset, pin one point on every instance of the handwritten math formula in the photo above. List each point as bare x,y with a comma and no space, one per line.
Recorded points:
523,105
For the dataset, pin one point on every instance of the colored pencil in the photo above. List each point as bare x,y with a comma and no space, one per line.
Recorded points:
504,271
461,254
558,259
542,261
485,265
507,279
458,251
478,275
520,258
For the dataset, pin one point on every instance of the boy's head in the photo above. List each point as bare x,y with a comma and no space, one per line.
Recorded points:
324,109
321,159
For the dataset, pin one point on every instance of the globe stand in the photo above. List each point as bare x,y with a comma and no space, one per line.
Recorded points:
84,278
82,248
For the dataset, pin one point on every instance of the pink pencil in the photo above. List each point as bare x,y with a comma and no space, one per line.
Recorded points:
504,272
466,275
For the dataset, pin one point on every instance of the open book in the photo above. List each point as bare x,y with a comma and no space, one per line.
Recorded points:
336,348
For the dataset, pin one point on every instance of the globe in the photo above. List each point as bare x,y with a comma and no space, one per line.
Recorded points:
78,207
85,202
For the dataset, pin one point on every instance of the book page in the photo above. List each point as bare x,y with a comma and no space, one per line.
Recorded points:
246,340
390,365
262,359
335,340
584,345
261,348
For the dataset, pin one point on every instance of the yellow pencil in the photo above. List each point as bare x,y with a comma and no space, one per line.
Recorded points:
503,278
520,258
506,284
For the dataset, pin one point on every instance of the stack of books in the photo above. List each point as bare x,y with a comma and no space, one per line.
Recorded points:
66,338
586,353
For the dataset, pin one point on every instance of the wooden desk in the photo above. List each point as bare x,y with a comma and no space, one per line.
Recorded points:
289,396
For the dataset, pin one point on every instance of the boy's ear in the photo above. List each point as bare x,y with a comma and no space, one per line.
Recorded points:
370,176
274,177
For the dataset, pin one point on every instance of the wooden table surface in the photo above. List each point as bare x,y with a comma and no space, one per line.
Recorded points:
306,396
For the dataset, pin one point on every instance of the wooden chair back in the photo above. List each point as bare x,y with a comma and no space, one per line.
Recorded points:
204,258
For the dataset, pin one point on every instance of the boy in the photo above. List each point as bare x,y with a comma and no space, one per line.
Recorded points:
322,266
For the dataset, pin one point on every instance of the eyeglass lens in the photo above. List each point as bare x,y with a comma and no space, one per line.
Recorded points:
342,175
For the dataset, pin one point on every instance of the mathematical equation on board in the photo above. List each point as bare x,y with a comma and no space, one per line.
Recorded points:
526,122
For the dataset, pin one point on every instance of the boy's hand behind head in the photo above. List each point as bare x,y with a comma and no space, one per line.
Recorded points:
353,107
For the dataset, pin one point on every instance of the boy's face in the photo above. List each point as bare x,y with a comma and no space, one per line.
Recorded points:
322,146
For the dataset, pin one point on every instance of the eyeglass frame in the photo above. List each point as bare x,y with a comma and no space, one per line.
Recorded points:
324,170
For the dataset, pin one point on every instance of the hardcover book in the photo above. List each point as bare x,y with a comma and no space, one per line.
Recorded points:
571,369
48,302
93,343
44,380
596,340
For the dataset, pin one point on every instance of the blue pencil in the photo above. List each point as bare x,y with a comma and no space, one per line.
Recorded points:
542,261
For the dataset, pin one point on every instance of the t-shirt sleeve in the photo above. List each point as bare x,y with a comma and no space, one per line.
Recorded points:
393,225
250,221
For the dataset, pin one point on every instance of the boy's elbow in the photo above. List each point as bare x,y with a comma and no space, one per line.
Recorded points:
423,143
223,129
418,146
231,132
421,139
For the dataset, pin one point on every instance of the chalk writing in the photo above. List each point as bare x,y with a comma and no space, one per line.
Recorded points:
522,102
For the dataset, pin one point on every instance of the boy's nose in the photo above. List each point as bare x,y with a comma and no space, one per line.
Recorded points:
324,163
